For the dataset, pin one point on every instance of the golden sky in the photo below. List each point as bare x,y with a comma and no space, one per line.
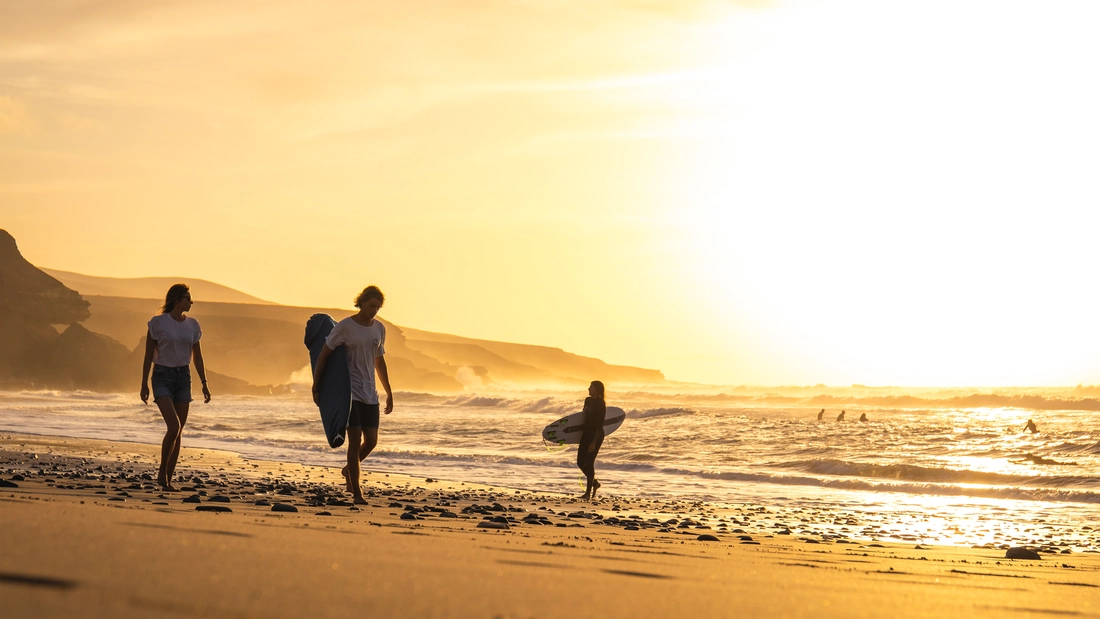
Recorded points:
764,192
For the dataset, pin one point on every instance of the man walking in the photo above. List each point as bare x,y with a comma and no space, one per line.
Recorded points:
365,341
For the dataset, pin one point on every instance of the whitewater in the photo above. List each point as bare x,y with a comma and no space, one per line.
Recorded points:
942,474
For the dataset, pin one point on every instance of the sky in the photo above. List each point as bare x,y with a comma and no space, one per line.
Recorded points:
757,192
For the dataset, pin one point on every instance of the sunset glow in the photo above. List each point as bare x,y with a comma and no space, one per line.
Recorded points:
756,192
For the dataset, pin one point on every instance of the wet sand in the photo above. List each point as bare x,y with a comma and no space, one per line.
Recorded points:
86,533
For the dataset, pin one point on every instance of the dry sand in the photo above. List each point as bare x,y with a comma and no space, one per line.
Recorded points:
87,534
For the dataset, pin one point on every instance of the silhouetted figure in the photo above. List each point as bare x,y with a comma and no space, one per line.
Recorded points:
863,417
595,410
170,343
821,415
365,340
840,417
1030,427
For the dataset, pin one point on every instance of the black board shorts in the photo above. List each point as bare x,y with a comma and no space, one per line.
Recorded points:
363,415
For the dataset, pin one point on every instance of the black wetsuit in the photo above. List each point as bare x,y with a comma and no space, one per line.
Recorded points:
594,412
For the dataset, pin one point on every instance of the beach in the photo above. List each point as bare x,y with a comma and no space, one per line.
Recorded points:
86,532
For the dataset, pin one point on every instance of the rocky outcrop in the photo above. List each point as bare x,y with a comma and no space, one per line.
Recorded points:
26,293
30,303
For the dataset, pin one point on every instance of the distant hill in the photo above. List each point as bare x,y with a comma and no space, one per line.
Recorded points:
250,345
263,344
150,287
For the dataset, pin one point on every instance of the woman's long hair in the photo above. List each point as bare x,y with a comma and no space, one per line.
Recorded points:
599,389
175,293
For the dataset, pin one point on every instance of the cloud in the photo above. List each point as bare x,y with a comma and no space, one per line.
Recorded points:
14,118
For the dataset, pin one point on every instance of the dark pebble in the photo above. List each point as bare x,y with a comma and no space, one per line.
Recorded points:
706,537
488,524
117,498
323,514
745,538
1022,553
218,498
212,508
283,507
409,516
7,484
262,502
194,498
17,477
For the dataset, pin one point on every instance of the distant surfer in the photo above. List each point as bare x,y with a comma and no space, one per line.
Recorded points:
840,417
863,417
1030,427
595,409
170,343
365,341
821,415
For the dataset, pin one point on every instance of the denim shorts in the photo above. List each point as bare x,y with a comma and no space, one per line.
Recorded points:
363,415
172,383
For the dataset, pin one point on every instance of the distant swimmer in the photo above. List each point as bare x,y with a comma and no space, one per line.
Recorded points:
821,415
863,417
840,417
1030,427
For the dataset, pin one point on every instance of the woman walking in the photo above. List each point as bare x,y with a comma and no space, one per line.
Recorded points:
172,340
595,409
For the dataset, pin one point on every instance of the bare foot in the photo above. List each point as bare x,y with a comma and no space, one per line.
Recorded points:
595,486
167,487
359,500
585,497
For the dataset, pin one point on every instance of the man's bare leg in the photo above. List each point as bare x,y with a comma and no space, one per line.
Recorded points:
355,438
369,441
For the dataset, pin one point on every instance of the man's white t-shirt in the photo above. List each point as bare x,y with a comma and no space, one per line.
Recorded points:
363,345
175,339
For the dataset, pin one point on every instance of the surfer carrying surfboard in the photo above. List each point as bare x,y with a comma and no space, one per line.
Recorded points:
364,338
595,409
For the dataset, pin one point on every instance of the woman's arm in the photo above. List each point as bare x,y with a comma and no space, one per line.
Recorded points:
384,376
200,368
150,346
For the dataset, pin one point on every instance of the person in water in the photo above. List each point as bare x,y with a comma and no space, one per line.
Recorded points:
595,410
170,343
365,341
821,415
840,417
1030,427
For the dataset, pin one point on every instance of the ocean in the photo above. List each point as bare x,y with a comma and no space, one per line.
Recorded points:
937,474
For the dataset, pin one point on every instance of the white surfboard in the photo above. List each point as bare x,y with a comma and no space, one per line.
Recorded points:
568,430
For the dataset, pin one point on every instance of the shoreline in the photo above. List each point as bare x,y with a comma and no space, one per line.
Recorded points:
86,532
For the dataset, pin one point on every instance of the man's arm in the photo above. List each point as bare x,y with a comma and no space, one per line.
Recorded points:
319,371
384,376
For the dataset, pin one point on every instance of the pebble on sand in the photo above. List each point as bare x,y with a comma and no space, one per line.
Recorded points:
706,537
1022,553
283,507
212,508
487,524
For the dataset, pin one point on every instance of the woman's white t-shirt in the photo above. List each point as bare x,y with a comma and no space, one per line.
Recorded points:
174,339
